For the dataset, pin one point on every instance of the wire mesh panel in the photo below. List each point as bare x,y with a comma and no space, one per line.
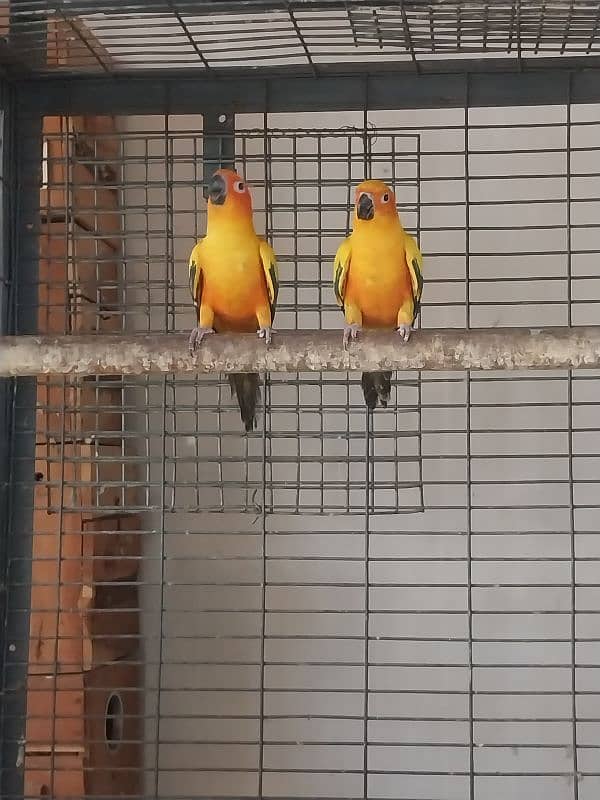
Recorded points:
449,653
211,37
302,184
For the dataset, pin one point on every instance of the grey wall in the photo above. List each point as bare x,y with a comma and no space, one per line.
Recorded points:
498,451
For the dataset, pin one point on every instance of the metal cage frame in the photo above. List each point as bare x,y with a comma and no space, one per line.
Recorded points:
25,97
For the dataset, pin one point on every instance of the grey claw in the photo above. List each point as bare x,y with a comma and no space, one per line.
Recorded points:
196,337
266,334
404,331
350,332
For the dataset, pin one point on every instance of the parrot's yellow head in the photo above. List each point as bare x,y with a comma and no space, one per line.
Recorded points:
374,200
228,192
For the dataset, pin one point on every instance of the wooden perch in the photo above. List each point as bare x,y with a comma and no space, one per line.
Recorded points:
498,348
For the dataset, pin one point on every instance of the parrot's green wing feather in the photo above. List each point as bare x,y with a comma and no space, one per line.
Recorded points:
268,259
195,276
340,270
414,259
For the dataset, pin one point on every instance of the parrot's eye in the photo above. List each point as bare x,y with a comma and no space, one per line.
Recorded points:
239,186
385,198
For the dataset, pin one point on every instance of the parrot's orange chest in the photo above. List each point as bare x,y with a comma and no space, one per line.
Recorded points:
378,278
234,284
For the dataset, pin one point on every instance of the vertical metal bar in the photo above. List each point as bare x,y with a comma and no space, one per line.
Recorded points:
59,573
395,397
218,151
6,386
25,157
349,212
573,563
148,295
5,282
320,261
218,143
468,453
295,293
367,610
170,320
263,575
145,304
162,526
419,374
369,503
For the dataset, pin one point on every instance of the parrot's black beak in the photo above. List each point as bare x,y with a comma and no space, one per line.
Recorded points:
217,190
365,208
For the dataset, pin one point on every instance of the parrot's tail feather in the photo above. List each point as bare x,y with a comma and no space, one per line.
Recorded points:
246,387
377,386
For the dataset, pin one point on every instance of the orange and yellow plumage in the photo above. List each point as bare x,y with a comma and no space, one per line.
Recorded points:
233,277
377,276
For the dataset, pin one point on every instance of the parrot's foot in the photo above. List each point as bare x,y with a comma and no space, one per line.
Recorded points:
196,337
404,331
266,334
351,332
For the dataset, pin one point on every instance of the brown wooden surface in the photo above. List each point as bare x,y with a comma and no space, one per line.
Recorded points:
70,43
85,552
110,622
114,771
97,139
68,751
55,642
111,548
71,190
78,410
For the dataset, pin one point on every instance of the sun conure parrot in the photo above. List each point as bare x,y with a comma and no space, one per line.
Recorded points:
377,277
233,279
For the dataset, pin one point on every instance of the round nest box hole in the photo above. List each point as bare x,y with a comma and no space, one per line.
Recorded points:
113,721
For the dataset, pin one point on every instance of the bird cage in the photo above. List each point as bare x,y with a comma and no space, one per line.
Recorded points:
392,605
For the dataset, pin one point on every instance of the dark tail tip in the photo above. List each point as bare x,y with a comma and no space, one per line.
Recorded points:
377,387
245,386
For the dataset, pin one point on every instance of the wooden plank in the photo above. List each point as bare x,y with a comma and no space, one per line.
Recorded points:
86,478
70,192
98,146
54,713
53,291
90,317
82,410
55,627
107,473
71,44
54,776
114,746
111,548
110,618
93,266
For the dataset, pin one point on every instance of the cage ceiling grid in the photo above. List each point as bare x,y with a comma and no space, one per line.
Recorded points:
338,604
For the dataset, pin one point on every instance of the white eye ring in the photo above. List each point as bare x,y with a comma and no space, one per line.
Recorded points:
385,198
240,187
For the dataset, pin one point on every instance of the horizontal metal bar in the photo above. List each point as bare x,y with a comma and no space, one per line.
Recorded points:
448,85
453,349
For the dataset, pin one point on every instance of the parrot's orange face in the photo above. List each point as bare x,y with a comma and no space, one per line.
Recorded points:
374,199
229,191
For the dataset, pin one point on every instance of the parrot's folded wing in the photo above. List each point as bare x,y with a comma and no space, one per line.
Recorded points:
340,270
195,276
414,259
268,259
